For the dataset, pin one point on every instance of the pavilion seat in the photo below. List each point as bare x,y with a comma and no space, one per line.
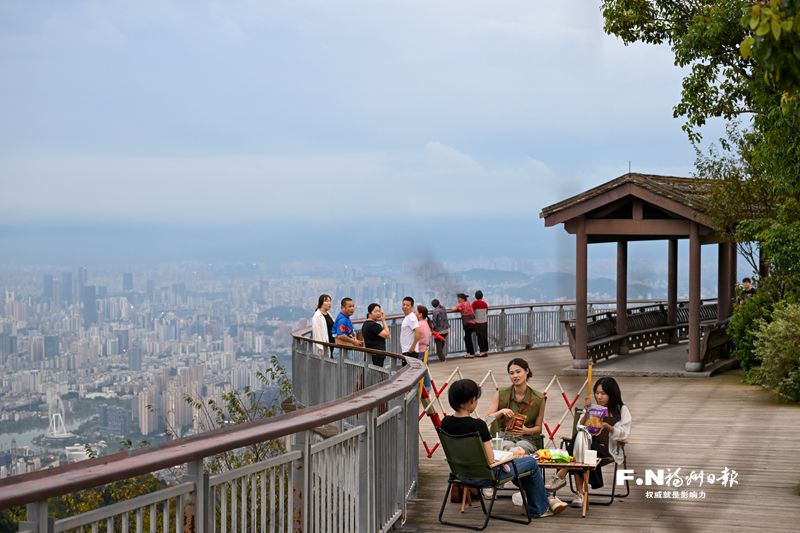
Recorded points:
469,467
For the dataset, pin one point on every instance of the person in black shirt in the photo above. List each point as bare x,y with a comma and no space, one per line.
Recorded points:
463,398
747,290
375,332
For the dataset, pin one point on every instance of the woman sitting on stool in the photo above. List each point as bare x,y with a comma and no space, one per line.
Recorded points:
608,443
518,399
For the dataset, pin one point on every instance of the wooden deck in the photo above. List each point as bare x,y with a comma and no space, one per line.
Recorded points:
691,424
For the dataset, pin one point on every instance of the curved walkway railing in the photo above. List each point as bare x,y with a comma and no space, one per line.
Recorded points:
323,481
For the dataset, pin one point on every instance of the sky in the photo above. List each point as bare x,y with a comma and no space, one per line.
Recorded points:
319,121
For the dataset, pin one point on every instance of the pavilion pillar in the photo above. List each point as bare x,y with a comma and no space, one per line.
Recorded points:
581,294
622,292
723,280
672,288
693,363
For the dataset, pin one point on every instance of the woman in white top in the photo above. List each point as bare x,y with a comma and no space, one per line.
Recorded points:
321,324
616,427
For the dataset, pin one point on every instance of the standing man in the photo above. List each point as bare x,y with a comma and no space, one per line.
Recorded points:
748,291
409,330
343,332
468,321
481,310
375,332
441,328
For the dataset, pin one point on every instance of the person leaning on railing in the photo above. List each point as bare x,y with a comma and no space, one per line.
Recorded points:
322,324
375,331
481,310
468,321
343,330
441,328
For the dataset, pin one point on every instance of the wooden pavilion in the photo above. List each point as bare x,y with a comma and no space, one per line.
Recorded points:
636,207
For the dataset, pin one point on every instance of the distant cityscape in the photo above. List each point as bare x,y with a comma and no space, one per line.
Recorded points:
94,356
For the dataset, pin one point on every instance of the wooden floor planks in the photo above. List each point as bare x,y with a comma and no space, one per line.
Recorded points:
691,424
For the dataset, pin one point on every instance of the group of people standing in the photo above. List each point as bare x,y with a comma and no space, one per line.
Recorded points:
419,326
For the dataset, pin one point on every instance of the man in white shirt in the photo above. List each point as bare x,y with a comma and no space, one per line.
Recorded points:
409,329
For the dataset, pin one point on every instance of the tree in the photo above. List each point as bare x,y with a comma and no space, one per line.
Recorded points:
744,67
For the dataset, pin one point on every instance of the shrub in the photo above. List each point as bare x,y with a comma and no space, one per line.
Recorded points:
747,315
777,345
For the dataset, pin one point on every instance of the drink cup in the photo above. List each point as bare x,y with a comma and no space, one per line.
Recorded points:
589,457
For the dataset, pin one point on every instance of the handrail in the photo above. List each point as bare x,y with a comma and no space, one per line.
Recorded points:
561,303
37,486
613,312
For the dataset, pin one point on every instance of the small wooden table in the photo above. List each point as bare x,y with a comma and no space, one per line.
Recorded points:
579,467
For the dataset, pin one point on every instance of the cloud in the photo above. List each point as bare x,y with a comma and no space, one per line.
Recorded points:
434,179
215,110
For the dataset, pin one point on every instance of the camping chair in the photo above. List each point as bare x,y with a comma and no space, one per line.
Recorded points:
469,467
577,413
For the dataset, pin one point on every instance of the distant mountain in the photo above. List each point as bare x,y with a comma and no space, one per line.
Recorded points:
493,277
284,312
552,286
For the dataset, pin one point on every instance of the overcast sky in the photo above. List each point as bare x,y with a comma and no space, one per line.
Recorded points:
247,111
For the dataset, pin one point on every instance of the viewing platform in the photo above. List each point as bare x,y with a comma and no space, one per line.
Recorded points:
687,424
368,471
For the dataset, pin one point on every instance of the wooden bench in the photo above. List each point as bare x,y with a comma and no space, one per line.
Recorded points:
647,327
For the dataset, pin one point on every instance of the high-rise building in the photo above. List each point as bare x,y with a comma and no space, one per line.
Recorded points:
123,337
51,346
89,300
127,281
36,348
67,296
83,279
149,406
135,356
47,283
151,289
114,420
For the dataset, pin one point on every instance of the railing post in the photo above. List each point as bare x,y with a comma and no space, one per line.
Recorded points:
402,466
197,511
503,333
38,521
562,331
529,344
302,478
366,475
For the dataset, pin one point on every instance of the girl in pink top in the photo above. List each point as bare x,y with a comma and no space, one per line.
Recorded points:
424,337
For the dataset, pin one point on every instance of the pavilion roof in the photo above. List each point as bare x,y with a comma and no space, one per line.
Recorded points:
693,193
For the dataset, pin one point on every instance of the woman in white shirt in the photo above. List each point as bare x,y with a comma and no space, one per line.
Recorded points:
616,427
321,324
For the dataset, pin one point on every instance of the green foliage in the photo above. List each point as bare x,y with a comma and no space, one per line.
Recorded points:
774,41
743,324
238,408
704,36
777,345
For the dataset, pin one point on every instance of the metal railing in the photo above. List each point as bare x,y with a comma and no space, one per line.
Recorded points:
319,482
511,327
